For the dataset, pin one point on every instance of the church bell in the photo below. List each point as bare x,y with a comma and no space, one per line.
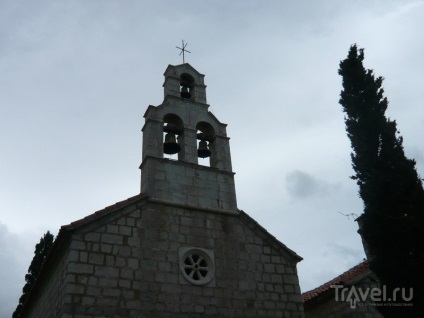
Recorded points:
170,146
184,92
203,151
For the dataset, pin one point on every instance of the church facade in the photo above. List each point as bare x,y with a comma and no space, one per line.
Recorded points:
181,248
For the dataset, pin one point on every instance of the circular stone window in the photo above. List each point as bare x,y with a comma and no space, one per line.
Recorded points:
196,266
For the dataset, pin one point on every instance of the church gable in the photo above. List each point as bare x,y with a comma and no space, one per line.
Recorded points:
146,257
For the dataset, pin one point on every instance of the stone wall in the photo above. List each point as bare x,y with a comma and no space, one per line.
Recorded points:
51,296
252,278
128,264
189,184
101,269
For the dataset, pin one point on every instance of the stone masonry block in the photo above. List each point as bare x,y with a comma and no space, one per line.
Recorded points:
125,230
130,221
93,281
74,289
112,229
269,287
79,268
124,283
110,260
276,278
164,267
120,261
93,291
107,302
122,250
289,289
295,298
92,237
70,278
133,241
254,249
87,301
291,279
112,238
133,263
279,269
276,259
108,282
81,279
258,241
269,268
96,258
109,272
127,273
105,248
266,258
128,294
77,245
73,256
111,292
243,285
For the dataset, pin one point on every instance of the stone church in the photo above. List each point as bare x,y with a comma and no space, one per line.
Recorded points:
180,248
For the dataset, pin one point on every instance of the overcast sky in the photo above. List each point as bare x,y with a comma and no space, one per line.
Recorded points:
77,76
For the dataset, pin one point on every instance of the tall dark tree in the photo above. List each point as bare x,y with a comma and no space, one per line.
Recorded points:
392,223
41,251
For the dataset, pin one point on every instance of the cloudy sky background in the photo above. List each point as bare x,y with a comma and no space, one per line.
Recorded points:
77,76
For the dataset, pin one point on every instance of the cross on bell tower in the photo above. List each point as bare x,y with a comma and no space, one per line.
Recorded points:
182,125
183,50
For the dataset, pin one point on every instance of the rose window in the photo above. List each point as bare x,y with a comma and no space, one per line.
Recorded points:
196,266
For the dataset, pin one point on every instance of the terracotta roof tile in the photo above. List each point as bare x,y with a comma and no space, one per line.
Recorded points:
347,277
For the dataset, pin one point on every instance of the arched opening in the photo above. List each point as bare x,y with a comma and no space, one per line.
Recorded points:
173,129
187,86
205,136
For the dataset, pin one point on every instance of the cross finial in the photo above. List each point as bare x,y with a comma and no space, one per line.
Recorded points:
183,50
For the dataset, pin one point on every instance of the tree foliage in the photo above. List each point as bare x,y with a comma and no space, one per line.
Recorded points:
392,224
41,251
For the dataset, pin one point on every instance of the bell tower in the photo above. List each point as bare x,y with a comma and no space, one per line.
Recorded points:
183,126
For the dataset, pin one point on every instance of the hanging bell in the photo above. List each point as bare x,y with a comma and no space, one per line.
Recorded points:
185,93
203,151
170,145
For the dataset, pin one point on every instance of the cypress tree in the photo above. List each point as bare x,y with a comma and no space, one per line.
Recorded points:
392,223
41,251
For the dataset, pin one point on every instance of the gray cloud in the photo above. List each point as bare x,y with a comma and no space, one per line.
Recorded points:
14,254
301,185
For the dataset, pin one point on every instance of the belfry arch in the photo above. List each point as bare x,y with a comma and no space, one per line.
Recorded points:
187,86
205,136
173,130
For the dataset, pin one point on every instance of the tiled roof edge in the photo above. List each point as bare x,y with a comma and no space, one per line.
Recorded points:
347,277
98,214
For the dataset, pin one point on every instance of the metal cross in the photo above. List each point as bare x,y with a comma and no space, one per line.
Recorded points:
183,50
